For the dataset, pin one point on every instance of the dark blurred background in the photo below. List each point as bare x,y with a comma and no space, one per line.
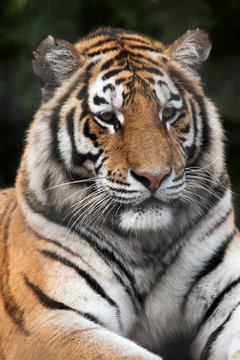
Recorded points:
24,22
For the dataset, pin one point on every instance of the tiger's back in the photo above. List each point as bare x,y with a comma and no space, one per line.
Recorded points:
118,241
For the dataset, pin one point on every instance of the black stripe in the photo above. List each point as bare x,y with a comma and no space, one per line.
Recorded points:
93,284
191,150
207,132
77,158
215,197
87,133
57,305
97,169
111,73
82,94
94,157
146,48
186,129
97,242
162,82
151,70
54,129
99,100
213,337
55,122
175,186
129,38
175,97
180,116
123,191
99,43
9,302
107,65
210,265
178,178
218,223
218,300
142,58
183,84
61,246
109,256
102,51
108,86
218,193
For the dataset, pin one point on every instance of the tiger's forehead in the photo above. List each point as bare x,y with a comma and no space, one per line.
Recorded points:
123,64
119,78
107,39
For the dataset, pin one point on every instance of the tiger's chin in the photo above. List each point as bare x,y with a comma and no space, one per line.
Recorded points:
146,218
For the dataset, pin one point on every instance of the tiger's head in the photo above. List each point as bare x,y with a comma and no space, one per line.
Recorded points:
122,119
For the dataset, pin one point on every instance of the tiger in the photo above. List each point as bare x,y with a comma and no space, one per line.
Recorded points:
118,240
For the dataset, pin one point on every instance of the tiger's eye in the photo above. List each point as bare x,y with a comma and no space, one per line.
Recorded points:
107,116
168,112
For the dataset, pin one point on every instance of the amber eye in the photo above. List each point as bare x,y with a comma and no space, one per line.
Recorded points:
168,113
107,116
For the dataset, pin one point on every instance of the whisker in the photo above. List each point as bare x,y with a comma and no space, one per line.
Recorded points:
196,168
72,182
205,188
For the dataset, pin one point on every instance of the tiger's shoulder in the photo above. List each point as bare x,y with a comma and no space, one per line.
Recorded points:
7,198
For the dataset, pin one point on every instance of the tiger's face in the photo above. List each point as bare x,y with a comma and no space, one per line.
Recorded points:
137,118
128,122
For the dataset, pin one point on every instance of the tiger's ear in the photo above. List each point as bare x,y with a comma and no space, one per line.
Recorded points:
54,61
191,49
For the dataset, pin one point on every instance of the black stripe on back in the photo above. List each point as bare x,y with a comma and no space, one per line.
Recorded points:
9,301
210,265
213,337
57,305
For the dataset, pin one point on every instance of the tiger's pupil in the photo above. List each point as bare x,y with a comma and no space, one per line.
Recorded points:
168,112
107,116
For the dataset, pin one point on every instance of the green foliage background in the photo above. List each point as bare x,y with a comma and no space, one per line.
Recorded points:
24,22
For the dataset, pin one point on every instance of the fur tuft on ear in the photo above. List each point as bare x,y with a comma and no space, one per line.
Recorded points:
191,49
54,61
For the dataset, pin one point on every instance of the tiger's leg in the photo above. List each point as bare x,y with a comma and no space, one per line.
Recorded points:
66,336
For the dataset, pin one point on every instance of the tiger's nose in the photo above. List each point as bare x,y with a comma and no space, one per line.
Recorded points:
152,182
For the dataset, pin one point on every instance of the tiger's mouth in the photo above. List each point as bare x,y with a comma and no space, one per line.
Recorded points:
150,202
149,214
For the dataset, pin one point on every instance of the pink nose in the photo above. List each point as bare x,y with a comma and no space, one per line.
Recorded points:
154,181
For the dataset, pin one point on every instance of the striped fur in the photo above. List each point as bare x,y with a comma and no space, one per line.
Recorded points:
118,241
